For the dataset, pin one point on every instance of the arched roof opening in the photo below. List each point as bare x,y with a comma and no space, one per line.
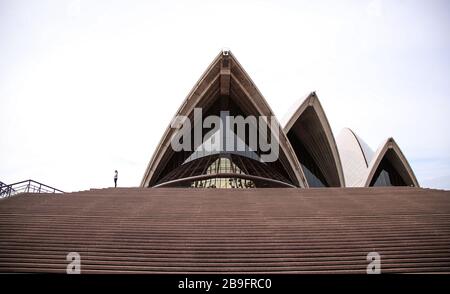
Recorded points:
312,140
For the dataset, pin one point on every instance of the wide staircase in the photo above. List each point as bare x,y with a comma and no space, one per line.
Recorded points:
165,230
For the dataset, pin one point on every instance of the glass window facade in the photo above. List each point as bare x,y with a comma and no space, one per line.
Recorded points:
313,174
224,183
387,175
223,165
224,171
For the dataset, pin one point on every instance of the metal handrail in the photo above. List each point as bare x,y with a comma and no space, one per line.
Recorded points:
27,186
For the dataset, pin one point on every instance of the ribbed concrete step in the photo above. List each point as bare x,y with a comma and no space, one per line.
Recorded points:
212,231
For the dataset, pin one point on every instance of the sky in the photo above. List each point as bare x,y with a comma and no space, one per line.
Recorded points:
88,87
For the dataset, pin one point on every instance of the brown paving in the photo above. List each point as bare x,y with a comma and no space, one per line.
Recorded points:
176,230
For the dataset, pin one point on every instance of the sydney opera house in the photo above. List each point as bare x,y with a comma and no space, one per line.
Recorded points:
309,156
323,204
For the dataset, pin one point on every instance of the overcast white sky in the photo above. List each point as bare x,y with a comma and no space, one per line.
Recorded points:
87,87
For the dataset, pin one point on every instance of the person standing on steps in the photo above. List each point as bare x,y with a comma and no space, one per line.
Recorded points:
116,176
